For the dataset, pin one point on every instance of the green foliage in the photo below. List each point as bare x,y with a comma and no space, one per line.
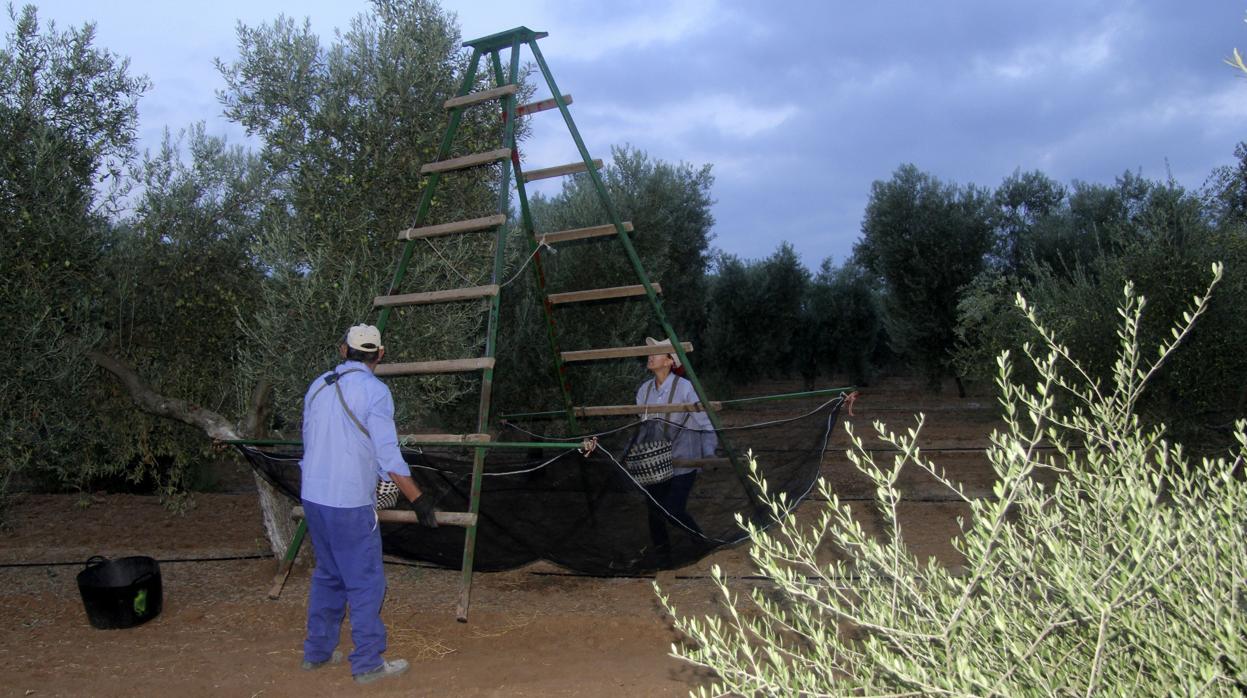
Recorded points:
1123,577
731,354
744,293
345,130
1094,221
784,289
831,322
669,207
1225,192
1022,202
988,323
67,128
843,325
179,277
69,102
674,202
1160,237
925,240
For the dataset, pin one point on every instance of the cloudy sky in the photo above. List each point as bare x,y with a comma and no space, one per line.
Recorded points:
799,105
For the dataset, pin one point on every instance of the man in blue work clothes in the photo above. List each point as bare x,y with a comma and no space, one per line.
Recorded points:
349,440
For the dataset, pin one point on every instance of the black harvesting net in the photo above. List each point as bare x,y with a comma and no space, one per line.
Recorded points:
587,513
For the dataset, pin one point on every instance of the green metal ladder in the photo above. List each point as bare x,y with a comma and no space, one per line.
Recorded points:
506,158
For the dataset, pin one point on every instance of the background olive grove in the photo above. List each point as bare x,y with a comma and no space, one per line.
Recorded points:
208,267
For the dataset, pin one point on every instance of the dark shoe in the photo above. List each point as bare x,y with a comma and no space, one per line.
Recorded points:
387,669
335,658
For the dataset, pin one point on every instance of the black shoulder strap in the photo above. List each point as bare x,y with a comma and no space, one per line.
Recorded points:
332,379
666,421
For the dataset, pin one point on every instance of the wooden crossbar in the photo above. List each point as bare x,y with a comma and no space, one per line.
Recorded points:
620,352
582,233
444,438
432,367
534,107
447,296
444,518
466,161
560,170
595,294
468,226
482,96
618,410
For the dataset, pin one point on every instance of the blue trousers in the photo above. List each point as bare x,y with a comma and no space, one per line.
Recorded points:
348,571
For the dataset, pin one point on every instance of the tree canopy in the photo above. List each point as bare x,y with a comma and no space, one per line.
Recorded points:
345,130
68,117
925,240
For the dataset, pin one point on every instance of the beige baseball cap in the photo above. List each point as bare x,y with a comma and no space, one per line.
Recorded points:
364,338
664,343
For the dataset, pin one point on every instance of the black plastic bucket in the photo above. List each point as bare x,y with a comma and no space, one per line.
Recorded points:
120,593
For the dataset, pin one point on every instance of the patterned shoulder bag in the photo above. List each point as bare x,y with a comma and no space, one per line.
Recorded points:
649,461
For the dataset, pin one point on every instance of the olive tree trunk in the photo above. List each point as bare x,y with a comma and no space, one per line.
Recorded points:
275,507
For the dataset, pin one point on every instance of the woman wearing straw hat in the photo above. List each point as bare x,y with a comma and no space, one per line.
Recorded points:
691,436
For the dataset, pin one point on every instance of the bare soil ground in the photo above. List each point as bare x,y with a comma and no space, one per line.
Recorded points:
533,631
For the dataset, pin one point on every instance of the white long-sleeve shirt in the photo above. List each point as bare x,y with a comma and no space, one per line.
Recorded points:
691,434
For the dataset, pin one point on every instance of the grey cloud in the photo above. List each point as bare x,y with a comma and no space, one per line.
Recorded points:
968,90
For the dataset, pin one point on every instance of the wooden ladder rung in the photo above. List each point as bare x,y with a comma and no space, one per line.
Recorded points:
444,438
482,96
560,170
464,519
618,352
534,107
582,233
470,225
595,294
444,518
466,161
619,410
447,296
432,367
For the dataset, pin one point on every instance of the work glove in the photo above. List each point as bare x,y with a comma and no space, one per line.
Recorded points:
423,506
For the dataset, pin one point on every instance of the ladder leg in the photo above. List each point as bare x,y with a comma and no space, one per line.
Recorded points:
737,461
469,541
491,332
283,567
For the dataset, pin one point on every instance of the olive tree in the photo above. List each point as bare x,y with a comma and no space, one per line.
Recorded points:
735,305
179,277
1162,238
68,114
844,323
926,240
1123,575
344,131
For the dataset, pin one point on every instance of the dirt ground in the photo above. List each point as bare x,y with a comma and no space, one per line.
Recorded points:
536,631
